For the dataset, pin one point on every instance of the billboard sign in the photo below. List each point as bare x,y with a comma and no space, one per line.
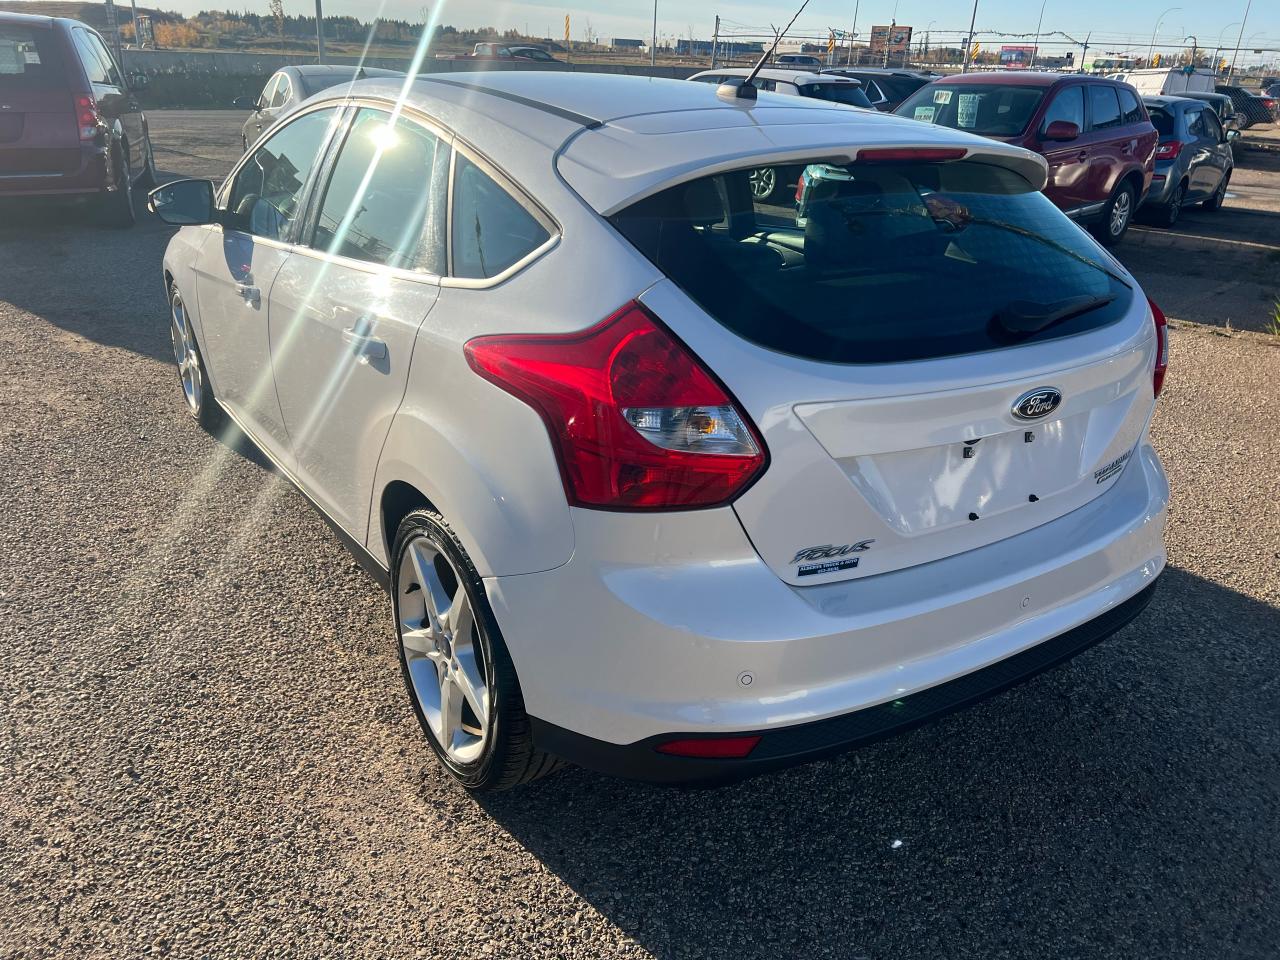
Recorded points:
894,38
1016,57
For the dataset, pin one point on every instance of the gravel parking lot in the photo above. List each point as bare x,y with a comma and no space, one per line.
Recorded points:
206,750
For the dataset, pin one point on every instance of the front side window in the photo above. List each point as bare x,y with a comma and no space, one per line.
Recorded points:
1213,129
264,198
1067,105
264,100
281,95
992,110
108,61
384,202
1104,108
491,229
881,262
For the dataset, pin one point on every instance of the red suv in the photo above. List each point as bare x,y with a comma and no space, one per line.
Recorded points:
69,124
1095,133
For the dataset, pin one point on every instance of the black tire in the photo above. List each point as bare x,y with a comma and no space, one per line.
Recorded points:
1108,230
147,179
204,408
509,757
1214,201
1167,215
117,204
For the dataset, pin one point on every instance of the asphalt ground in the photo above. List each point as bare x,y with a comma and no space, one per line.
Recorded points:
206,750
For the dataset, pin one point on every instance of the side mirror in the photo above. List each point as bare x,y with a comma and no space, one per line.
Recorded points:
1233,135
184,203
1060,131
245,103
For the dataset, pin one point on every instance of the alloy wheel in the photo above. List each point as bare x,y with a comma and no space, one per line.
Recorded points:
1121,209
184,354
443,651
763,180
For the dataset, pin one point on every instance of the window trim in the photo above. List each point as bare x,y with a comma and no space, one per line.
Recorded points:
325,172
509,186
284,84
223,194
1093,128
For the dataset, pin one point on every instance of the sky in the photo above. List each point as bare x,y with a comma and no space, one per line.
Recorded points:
1115,25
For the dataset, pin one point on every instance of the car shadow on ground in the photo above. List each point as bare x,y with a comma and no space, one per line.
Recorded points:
1021,827
101,283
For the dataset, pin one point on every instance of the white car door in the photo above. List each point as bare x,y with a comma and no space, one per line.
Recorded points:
234,276
346,307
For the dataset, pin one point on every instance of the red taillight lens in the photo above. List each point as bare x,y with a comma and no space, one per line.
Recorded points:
715,748
87,117
911,154
637,422
800,185
1162,347
1169,150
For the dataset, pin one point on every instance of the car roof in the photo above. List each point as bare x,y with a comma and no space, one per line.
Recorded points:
1015,78
777,73
1168,100
616,139
884,72
26,19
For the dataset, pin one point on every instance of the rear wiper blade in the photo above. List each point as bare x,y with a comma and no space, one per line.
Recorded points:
1022,318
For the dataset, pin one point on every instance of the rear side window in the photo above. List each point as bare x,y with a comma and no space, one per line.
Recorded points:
1162,120
1195,124
30,59
491,229
384,202
880,263
1129,106
1104,108
850,94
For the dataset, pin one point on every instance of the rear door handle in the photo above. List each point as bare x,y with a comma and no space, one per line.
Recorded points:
365,347
249,294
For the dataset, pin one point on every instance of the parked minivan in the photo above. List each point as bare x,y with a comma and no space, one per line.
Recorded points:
70,126
1094,133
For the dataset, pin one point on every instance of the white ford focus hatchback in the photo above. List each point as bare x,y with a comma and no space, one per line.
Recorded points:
663,481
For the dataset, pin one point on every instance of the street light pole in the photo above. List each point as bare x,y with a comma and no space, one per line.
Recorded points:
968,44
1217,52
320,31
1195,44
653,46
1035,50
1232,72
1159,20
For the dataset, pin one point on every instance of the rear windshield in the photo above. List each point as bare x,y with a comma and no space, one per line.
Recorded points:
29,59
991,110
1162,120
878,263
850,94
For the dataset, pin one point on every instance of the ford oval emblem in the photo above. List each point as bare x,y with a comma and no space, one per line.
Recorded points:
1038,403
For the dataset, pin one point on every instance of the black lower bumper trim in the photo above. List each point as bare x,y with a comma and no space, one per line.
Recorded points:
786,746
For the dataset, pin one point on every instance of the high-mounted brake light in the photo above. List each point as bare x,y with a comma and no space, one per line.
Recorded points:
1169,150
636,421
911,154
87,117
711,748
1162,347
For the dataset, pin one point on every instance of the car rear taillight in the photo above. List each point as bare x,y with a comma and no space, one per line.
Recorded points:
1162,347
636,420
87,117
1169,150
800,185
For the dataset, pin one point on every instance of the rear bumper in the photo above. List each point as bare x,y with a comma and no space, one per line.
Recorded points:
28,173
813,741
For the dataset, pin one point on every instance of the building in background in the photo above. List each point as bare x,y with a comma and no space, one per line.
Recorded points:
627,45
1016,57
